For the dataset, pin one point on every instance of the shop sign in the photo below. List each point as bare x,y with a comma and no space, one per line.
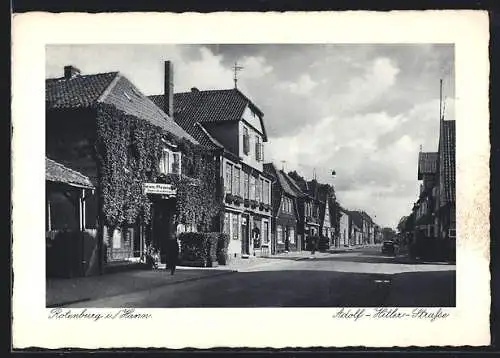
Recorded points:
159,189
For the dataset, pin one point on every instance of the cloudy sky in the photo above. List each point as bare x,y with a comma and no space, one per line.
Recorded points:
361,110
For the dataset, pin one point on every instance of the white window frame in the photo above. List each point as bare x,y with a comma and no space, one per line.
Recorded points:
236,190
228,182
167,161
246,185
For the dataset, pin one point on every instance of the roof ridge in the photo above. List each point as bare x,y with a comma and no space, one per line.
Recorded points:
82,75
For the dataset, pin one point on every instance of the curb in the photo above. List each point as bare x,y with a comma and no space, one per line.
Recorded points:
191,279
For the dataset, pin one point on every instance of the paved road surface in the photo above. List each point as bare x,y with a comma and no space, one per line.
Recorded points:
362,278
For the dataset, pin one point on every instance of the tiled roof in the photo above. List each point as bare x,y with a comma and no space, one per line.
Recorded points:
447,161
126,97
83,91
280,177
356,218
427,163
294,186
57,172
207,107
78,92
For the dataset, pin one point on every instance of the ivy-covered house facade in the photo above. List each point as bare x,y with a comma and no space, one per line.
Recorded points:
233,125
149,174
285,212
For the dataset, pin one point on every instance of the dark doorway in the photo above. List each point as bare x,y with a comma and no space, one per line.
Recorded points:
161,225
287,239
245,241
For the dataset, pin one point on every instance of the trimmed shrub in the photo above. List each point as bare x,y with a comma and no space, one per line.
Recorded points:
222,246
312,243
324,243
198,248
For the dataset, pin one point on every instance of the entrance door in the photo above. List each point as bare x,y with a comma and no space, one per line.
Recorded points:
162,226
287,238
245,241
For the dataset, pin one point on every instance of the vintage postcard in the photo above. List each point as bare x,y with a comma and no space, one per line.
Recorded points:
251,180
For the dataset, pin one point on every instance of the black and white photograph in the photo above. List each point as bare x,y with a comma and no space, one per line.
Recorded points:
191,176
250,175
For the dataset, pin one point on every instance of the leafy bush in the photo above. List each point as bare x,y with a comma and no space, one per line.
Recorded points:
199,247
222,246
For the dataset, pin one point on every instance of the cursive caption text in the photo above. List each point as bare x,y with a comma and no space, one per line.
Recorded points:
124,313
391,313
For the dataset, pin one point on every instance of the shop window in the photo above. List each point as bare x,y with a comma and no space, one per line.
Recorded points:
227,223
291,235
235,226
279,234
265,232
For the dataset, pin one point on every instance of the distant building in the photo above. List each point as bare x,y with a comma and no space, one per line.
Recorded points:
285,214
343,237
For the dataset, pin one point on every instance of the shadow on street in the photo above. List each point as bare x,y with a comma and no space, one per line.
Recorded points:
299,288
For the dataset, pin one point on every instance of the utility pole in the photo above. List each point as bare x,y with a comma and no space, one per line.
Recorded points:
440,98
236,68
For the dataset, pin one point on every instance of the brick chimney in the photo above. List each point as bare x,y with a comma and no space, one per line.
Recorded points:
70,72
169,89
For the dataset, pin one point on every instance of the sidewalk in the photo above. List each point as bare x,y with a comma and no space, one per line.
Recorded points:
64,291
405,259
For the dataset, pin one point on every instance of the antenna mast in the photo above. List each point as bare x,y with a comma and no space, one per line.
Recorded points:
236,68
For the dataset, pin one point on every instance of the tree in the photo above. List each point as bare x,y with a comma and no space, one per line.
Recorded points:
388,233
401,224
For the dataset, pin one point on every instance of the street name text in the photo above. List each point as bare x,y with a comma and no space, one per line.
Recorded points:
391,313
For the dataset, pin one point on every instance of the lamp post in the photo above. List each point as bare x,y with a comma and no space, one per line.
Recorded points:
336,233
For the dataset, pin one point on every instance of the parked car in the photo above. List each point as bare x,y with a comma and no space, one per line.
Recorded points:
389,247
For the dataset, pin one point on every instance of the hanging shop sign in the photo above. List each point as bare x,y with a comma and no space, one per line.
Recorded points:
159,189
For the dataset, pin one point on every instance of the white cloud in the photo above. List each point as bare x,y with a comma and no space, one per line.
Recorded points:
254,67
303,86
363,90
361,110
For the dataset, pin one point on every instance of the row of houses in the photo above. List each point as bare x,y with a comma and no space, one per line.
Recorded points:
430,229
126,171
